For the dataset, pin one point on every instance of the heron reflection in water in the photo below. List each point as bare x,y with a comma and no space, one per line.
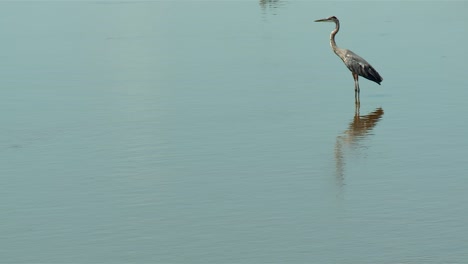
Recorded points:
271,3
271,6
358,129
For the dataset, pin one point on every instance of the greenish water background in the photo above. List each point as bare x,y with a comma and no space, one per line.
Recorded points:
226,132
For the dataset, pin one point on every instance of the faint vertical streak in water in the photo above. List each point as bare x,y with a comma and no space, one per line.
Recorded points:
339,163
357,130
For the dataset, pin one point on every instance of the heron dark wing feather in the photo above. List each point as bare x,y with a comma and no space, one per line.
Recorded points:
368,72
360,66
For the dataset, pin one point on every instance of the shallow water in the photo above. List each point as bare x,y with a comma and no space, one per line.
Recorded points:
222,132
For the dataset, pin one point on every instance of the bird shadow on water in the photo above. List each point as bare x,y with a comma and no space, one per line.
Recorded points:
351,141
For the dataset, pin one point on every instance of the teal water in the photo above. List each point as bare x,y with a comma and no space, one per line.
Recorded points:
226,132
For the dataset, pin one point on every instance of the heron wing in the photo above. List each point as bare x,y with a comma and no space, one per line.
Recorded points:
360,66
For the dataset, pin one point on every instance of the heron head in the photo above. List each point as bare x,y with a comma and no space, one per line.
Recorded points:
329,19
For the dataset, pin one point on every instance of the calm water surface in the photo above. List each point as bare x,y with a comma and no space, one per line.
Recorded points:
226,132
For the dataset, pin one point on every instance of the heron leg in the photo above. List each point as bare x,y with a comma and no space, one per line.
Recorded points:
356,88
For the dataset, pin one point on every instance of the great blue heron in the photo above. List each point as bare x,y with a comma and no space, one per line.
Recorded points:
357,65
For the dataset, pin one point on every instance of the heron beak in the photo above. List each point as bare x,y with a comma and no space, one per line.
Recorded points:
322,20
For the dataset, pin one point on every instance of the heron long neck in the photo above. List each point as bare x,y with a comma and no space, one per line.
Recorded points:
332,36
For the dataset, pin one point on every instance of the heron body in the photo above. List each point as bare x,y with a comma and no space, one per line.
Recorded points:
357,65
